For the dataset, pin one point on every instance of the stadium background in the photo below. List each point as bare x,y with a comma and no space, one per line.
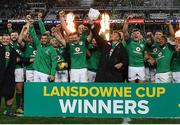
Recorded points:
148,12
152,11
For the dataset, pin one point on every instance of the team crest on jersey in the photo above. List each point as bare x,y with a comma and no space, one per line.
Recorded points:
7,54
160,54
138,49
155,50
77,49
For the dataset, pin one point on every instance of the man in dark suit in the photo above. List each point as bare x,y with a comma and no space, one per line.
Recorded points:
8,57
114,57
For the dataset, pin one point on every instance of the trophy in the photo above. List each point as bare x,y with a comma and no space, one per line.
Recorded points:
93,14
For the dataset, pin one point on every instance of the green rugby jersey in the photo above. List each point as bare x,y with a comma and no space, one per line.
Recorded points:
46,57
41,26
164,58
60,58
93,61
136,52
29,52
16,46
175,64
124,43
152,51
78,53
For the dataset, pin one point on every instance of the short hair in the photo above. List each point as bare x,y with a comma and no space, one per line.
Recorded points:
45,34
164,37
74,33
117,33
159,31
5,35
14,31
135,30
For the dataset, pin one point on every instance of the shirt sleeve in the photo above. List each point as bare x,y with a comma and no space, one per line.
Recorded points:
34,36
41,26
53,61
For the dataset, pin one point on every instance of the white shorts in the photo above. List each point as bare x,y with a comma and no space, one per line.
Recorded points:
29,75
61,76
176,77
78,75
136,73
163,77
150,74
19,75
40,77
91,76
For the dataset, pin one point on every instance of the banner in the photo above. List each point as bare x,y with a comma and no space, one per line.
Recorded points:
106,100
136,20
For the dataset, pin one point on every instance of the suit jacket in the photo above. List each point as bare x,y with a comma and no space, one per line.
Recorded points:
7,77
106,71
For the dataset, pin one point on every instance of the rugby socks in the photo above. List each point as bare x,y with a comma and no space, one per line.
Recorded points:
18,100
8,109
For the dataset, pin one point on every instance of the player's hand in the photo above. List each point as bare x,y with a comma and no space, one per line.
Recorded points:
51,78
118,66
31,60
146,57
24,28
90,21
28,17
40,15
152,62
177,47
48,33
66,65
53,29
18,59
61,13
168,22
58,26
127,18
31,21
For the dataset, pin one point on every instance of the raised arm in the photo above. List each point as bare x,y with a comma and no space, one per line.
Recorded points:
41,24
90,37
171,29
125,27
57,34
100,41
54,62
23,33
33,34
